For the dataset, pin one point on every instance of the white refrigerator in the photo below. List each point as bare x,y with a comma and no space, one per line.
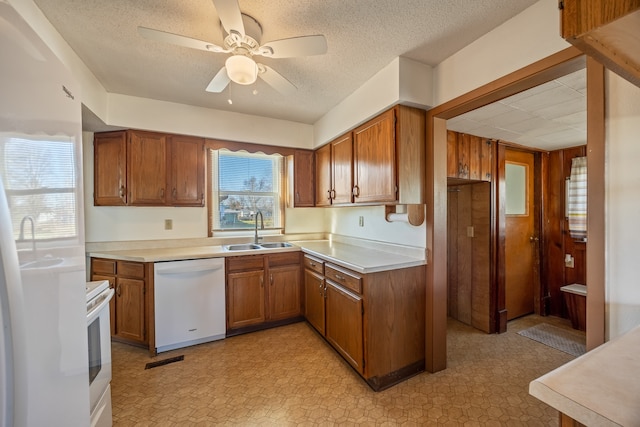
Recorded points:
44,377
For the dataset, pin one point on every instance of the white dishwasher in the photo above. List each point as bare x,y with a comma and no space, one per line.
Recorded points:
189,302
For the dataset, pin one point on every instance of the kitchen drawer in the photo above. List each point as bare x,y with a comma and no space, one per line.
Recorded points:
247,262
314,264
131,269
103,266
346,278
285,258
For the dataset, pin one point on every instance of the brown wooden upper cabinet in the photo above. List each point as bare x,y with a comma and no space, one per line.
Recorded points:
381,161
607,30
334,172
301,179
137,168
469,157
374,160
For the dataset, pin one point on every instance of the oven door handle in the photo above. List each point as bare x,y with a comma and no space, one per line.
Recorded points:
101,301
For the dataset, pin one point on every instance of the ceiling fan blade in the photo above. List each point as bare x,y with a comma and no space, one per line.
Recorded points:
276,80
230,16
219,82
295,46
163,36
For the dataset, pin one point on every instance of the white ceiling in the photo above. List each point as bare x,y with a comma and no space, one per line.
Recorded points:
548,117
363,36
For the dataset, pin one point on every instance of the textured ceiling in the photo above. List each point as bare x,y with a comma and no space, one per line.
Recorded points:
363,36
548,117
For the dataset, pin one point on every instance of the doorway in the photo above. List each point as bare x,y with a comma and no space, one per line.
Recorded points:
556,65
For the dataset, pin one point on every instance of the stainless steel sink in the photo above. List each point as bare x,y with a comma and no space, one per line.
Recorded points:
276,245
242,247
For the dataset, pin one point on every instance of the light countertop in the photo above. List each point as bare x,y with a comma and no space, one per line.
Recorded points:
600,388
357,258
362,259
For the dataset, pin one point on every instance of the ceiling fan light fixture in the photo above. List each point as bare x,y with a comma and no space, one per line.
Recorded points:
241,69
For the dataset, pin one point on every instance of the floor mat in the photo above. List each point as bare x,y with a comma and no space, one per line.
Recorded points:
561,339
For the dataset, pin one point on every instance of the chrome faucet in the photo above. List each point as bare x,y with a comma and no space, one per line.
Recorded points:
256,238
33,232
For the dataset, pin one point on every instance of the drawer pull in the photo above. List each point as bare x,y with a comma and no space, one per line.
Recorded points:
339,277
312,264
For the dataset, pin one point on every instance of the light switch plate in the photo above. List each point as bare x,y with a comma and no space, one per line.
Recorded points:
168,224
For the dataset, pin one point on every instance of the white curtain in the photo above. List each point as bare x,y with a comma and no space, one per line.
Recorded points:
577,199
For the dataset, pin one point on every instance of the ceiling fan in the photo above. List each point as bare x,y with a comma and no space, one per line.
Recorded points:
243,42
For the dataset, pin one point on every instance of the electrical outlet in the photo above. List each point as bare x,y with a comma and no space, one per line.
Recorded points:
168,224
361,221
569,261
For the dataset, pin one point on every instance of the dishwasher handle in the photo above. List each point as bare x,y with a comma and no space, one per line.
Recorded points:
186,267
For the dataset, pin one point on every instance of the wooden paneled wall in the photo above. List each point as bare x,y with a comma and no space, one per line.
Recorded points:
558,241
469,254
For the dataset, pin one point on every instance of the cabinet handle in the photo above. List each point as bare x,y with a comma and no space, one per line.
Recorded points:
174,194
261,281
328,194
325,292
122,191
312,264
162,192
339,277
333,194
271,279
356,191
320,289
297,196
118,290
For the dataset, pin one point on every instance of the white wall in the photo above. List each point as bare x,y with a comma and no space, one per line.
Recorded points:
403,81
345,222
622,205
528,37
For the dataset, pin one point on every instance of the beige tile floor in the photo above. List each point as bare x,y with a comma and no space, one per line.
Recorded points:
289,376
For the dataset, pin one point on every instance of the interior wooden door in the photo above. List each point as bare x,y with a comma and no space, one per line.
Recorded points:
520,233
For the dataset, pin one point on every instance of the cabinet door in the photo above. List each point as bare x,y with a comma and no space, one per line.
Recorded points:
342,170
147,172
314,300
374,159
110,169
486,159
344,324
130,312
452,154
245,299
284,292
186,180
303,179
323,175
463,156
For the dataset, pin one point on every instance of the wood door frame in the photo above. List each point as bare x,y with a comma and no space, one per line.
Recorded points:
542,71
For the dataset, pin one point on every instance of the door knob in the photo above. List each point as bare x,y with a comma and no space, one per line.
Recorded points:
533,239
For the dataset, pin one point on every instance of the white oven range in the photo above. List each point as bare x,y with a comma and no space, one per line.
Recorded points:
99,336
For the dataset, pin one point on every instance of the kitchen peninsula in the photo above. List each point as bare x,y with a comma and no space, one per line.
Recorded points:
366,300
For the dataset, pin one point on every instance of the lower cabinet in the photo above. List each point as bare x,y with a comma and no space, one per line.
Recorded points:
375,321
314,299
262,291
130,307
343,311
